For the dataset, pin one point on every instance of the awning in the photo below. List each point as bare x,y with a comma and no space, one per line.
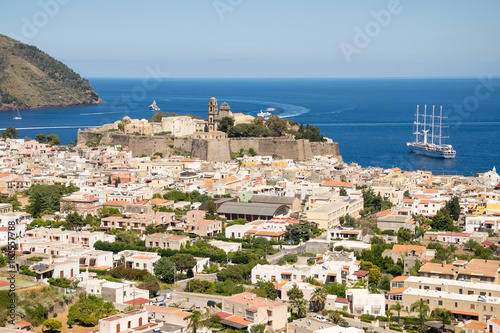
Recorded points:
465,313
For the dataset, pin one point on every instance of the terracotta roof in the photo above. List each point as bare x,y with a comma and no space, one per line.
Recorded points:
335,184
495,321
407,248
138,301
361,273
22,323
231,179
397,291
400,278
223,314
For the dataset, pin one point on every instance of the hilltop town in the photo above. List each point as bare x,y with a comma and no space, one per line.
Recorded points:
257,242
216,138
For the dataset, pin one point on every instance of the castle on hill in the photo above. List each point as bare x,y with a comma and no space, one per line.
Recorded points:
183,126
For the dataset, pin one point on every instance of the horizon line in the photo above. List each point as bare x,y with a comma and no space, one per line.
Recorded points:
298,77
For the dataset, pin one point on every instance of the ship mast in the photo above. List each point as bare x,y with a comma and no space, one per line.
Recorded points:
425,124
416,129
440,123
432,135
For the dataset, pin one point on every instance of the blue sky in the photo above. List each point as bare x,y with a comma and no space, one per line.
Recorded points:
257,38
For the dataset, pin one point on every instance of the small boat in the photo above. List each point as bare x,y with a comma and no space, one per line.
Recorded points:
270,109
154,107
18,116
264,115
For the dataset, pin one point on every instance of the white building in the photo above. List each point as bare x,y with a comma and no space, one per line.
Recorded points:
129,321
362,302
178,125
334,267
226,246
140,260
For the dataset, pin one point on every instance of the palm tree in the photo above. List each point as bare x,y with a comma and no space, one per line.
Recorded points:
195,320
397,307
300,306
337,319
318,298
443,315
422,308
452,248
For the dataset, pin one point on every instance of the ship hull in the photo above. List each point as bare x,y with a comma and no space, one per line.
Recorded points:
428,151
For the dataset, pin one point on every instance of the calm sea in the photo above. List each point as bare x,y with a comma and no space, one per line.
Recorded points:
370,118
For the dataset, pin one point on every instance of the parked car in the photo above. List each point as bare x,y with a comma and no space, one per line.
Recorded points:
211,303
321,318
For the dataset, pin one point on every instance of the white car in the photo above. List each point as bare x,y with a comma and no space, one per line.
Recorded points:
321,318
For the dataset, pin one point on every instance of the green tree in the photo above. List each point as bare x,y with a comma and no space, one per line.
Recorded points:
318,298
127,236
195,320
337,319
10,133
422,308
404,235
335,288
252,152
453,207
225,124
265,289
414,271
211,211
343,192
444,316
300,307
74,221
89,309
183,261
295,293
398,308
52,324
117,181
442,221
53,140
41,138
374,276
276,125
257,328
165,270
157,116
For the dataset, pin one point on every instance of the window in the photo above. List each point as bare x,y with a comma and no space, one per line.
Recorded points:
257,277
470,292
482,293
440,302
473,306
438,288
456,304
460,291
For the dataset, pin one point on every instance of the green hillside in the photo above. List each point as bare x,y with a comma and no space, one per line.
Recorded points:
30,78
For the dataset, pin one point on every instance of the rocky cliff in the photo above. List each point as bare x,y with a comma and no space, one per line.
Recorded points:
30,78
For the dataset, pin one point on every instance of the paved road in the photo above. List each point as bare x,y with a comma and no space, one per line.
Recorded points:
199,299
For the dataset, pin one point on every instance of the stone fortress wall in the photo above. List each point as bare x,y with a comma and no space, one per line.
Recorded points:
212,149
